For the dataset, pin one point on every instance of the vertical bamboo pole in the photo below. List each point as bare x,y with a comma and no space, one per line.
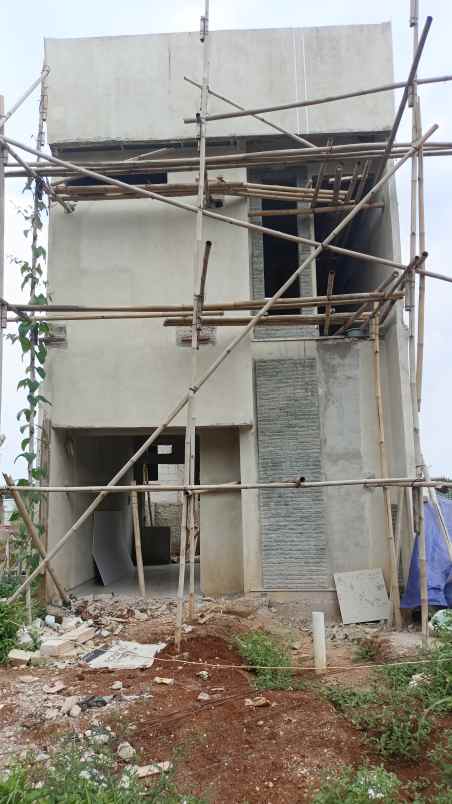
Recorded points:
191,523
187,507
2,223
393,577
422,241
137,540
417,494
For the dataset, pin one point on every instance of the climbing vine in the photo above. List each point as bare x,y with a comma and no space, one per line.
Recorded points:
31,338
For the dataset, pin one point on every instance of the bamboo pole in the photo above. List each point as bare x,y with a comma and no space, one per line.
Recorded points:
275,213
218,362
364,307
34,535
213,307
394,584
215,215
422,247
368,482
433,275
417,495
270,123
418,49
137,541
26,95
199,278
328,307
2,225
317,101
191,515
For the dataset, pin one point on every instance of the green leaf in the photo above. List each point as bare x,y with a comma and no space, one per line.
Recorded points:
22,482
23,427
24,443
29,456
41,398
41,372
37,473
41,353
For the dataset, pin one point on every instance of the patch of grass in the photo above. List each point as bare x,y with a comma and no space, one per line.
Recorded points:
365,650
11,618
397,715
441,756
265,652
349,786
84,774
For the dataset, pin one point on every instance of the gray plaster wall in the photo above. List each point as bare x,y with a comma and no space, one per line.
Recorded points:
220,514
131,88
131,373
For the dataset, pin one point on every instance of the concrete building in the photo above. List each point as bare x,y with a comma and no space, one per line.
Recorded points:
289,402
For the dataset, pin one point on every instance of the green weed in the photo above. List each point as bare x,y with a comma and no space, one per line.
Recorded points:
348,786
11,618
270,656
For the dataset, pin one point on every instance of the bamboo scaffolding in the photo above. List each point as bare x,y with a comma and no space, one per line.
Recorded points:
275,213
364,307
270,320
200,263
137,541
317,101
2,223
422,246
214,215
214,162
270,123
328,307
34,535
213,307
4,117
155,486
418,49
433,275
394,584
417,495
33,174
219,360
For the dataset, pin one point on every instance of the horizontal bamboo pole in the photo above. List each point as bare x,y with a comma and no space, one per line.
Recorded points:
272,320
213,307
316,101
371,482
434,275
277,213
225,160
214,215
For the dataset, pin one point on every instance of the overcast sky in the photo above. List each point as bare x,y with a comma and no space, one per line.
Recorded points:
20,62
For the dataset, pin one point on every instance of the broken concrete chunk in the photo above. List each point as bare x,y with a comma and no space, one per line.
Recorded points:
51,714
75,711
19,658
203,696
140,615
126,752
160,680
117,685
154,769
258,701
68,703
57,686
125,656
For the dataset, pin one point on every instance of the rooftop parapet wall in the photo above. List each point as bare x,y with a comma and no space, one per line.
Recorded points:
132,88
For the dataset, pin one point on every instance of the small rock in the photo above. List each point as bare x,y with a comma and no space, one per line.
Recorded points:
203,696
203,674
140,615
126,752
68,703
75,711
160,680
154,769
57,686
28,679
51,714
217,689
117,685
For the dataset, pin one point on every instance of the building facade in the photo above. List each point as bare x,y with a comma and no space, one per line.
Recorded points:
289,401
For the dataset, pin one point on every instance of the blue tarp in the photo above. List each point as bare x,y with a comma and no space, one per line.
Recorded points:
439,566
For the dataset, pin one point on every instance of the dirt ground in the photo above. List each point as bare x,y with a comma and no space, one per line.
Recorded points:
222,749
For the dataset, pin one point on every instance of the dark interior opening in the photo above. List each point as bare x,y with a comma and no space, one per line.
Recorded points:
160,542
128,178
280,256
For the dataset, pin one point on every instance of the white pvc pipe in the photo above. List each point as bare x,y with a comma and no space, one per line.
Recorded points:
318,635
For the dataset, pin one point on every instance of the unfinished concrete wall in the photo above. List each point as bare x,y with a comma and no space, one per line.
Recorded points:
131,88
220,514
137,252
81,459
